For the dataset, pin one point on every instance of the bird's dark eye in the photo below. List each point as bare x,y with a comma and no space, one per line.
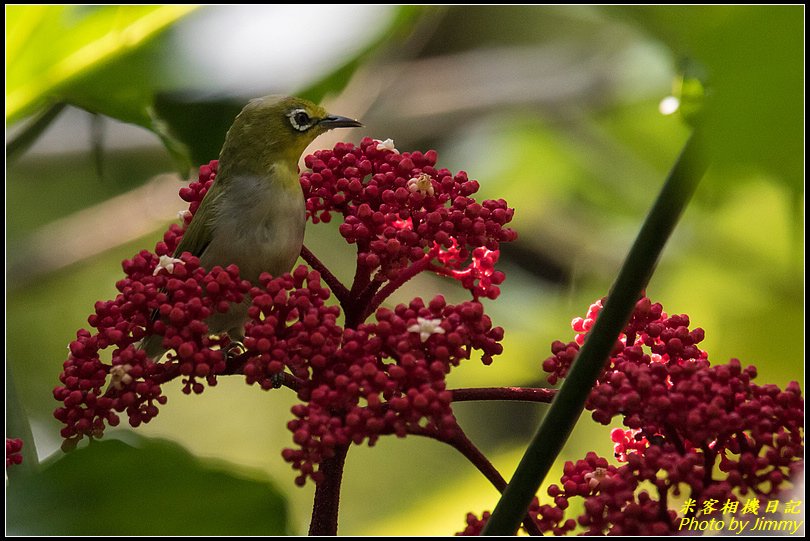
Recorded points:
300,120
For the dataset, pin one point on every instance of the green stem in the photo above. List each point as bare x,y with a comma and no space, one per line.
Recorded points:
570,401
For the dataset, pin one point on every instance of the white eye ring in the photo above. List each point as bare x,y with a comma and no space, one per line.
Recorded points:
300,119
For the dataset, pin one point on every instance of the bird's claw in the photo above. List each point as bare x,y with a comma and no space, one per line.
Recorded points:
235,349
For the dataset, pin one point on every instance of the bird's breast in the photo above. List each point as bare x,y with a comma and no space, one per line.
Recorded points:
259,226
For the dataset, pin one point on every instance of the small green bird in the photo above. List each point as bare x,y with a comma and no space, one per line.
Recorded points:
254,214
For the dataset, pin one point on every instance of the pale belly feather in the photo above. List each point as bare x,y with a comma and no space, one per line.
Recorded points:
260,228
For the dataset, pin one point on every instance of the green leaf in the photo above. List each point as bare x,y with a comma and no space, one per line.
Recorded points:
50,47
152,488
87,56
19,427
201,125
754,60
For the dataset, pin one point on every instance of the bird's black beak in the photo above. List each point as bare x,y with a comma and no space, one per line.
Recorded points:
333,121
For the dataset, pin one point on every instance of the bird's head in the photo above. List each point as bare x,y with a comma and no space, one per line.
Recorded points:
276,128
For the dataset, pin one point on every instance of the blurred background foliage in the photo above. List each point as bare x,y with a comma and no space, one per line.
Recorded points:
555,109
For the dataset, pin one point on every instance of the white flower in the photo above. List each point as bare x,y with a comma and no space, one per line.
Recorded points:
183,214
421,184
595,477
426,327
119,376
388,144
167,263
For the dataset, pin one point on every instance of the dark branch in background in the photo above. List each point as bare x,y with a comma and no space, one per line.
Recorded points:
565,410
536,262
29,134
97,133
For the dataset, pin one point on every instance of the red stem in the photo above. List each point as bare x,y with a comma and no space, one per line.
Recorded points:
340,291
290,381
444,271
357,312
233,366
362,276
327,495
393,285
461,443
529,394
371,287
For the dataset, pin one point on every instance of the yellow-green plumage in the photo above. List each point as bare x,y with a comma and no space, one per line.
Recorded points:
254,214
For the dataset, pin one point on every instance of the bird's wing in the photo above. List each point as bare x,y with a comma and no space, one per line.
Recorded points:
199,232
195,240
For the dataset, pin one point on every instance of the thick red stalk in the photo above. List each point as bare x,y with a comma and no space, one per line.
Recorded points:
327,495
504,393
461,443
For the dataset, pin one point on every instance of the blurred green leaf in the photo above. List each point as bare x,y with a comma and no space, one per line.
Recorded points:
754,58
36,127
153,488
398,29
78,54
200,124
50,47
102,60
19,427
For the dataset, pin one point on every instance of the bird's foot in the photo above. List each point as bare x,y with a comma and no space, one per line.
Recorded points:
234,349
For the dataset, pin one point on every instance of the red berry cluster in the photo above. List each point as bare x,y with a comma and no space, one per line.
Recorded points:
707,429
650,336
13,451
686,417
613,503
479,276
161,299
475,525
386,377
355,383
291,327
399,208
626,442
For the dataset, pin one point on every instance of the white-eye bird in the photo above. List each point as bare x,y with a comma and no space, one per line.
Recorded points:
254,214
